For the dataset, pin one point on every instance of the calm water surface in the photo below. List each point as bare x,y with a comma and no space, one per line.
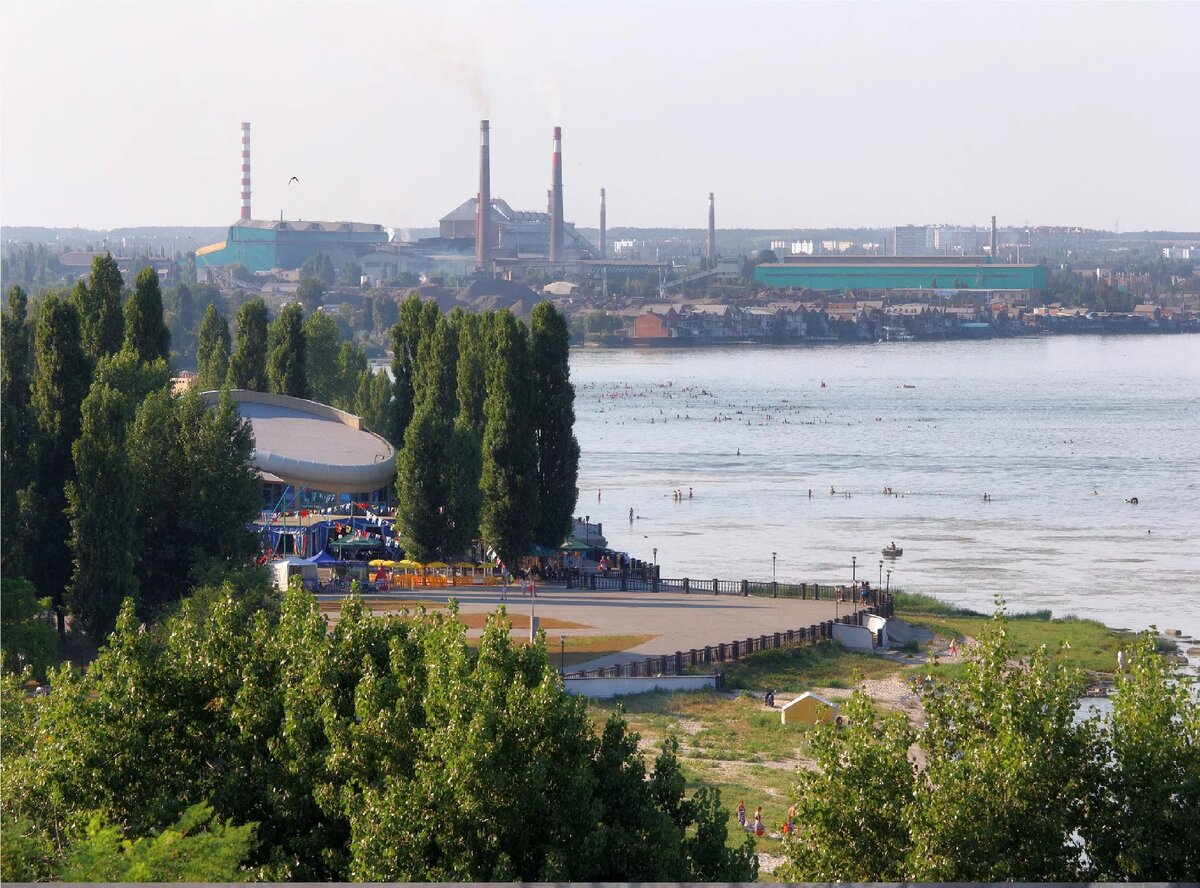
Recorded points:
1059,431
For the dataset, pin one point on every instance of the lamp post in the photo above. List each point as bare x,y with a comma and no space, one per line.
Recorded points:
881,572
772,567
853,574
889,582
562,655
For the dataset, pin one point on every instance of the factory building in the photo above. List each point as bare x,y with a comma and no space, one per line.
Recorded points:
262,245
885,273
512,233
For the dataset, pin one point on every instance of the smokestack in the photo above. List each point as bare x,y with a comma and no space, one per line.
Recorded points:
993,238
603,228
556,200
483,206
712,228
245,171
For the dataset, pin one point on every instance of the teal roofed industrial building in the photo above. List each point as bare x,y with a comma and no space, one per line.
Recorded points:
262,245
889,273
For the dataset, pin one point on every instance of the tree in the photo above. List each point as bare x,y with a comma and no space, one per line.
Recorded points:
108,294
352,273
195,490
212,350
248,364
145,331
310,293
423,470
373,401
16,425
338,741
27,637
852,813
473,331
552,424
133,379
102,511
286,357
508,480
416,320
352,363
59,387
88,308
320,266
1143,820
321,357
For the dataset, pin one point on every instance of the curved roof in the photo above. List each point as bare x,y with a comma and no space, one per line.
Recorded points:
306,443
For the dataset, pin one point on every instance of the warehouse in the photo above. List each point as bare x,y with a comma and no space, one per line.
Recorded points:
263,245
936,273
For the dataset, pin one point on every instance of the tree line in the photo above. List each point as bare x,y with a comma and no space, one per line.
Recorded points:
383,749
1005,782
112,488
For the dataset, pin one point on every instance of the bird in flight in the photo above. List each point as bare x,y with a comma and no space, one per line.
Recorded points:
294,179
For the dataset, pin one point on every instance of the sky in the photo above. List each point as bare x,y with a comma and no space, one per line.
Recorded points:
796,115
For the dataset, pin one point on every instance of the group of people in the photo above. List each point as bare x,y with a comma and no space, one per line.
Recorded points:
678,496
528,586
756,826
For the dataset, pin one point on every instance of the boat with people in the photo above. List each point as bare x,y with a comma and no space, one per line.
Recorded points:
892,551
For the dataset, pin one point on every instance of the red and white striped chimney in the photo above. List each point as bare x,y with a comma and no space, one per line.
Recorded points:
557,234
483,207
245,171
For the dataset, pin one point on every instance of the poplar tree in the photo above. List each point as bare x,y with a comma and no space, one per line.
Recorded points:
417,319
59,387
508,481
423,477
108,292
472,332
102,514
145,331
16,425
286,370
87,303
248,364
321,357
212,350
553,422
352,362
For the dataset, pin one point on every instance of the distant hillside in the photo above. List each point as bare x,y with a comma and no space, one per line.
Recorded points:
181,238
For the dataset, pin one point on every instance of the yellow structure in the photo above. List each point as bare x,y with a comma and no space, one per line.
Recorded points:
808,709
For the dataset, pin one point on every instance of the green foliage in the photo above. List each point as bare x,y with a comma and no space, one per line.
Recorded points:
145,330
919,603
552,425
319,266
59,387
16,425
286,354
134,379
212,350
27,638
351,364
417,319
248,364
1008,773
108,295
373,401
195,849
310,293
383,750
195,489
1143,816
508,480
321,355
473,331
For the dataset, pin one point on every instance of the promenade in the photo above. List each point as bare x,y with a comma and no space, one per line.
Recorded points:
678,622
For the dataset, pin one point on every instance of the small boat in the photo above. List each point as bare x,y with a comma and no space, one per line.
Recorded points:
907,386
892,551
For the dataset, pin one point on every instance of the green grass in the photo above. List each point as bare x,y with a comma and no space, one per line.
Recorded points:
1092,645
797,669
919,603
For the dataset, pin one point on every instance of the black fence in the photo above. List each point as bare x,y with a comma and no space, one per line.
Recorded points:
633,582
712,656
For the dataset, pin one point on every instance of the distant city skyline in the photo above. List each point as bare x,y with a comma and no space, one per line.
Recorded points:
797,115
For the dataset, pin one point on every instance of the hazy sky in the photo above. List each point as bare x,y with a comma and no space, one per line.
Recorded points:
795,114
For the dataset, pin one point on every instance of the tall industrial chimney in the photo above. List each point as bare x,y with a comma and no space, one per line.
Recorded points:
483,206
603,228
245,171
556,200
712,228
993,238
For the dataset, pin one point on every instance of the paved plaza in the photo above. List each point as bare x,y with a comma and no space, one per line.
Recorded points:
678,622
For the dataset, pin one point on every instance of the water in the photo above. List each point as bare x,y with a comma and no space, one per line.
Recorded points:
1060,431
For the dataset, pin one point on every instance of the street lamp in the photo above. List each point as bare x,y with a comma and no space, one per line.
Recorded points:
881,572
889,582
853,570
562,655
772,567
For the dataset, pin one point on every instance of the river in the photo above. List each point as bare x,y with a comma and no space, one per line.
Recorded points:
1060,431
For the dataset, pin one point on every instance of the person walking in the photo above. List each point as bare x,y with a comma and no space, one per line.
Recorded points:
741,814
758,824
